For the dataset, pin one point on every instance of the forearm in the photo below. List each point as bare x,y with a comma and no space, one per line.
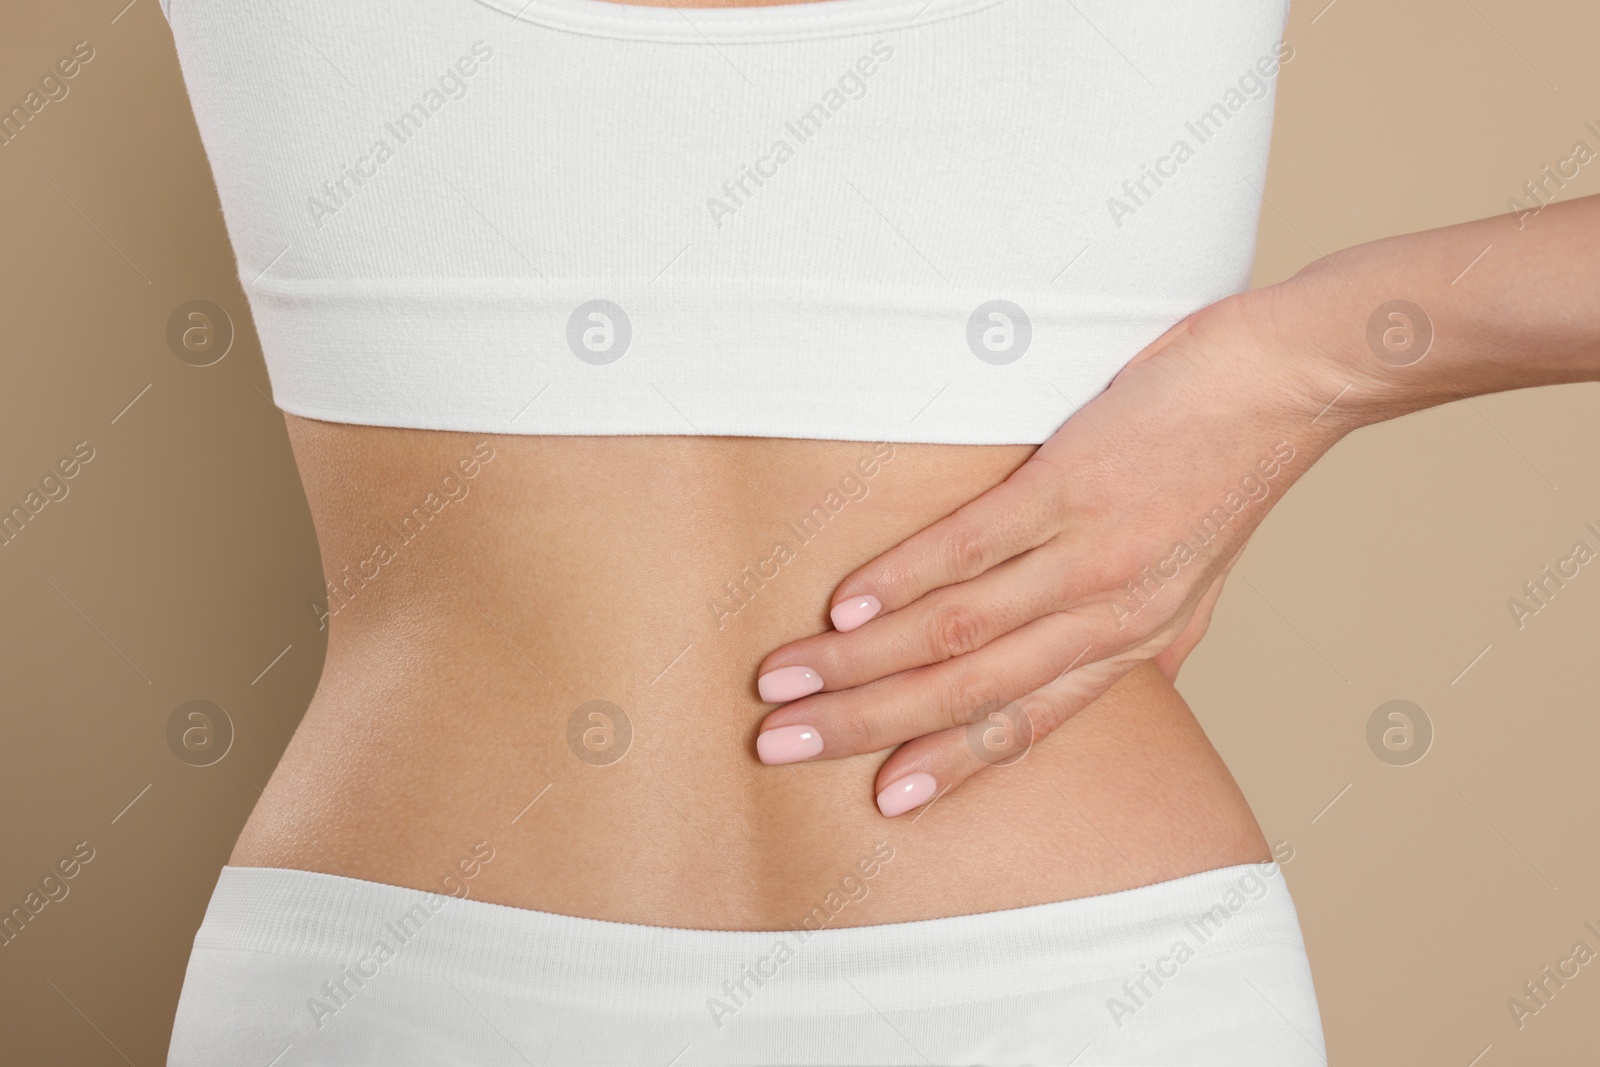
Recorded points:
1510,303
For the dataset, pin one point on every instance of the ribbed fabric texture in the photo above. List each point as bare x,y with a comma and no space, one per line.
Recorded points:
903,220
291,959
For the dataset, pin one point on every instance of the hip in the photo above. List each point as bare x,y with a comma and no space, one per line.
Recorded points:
301,968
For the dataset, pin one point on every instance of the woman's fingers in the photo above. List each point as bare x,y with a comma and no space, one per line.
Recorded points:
871,717
932,765
1020,513
1137,500
949,622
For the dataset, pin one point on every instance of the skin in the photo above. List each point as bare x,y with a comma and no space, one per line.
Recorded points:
578,569
1084,564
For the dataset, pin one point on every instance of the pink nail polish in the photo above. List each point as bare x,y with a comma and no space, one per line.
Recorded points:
788,744
848,614
912,791
788,683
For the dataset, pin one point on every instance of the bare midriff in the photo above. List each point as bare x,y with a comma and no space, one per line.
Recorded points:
544,650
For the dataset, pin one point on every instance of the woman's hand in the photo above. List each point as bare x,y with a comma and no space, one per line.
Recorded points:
1109,546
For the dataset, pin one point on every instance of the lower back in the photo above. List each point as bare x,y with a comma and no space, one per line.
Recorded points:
542,650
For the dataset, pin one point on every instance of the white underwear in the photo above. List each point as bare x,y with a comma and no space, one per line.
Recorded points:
293,968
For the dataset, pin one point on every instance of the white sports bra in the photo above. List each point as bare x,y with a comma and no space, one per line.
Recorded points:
890,220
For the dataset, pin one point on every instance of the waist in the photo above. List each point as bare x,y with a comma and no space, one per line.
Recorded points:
552,661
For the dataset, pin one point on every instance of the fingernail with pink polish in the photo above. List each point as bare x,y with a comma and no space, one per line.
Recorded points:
788,683
848,614
912,791
788,744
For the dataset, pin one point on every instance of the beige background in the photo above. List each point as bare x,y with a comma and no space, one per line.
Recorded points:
181,563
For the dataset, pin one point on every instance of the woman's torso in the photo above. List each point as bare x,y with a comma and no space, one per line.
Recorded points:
488,588
558,220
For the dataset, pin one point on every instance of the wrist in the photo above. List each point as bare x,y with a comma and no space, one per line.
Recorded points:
1414,320
1362,351
1302,383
